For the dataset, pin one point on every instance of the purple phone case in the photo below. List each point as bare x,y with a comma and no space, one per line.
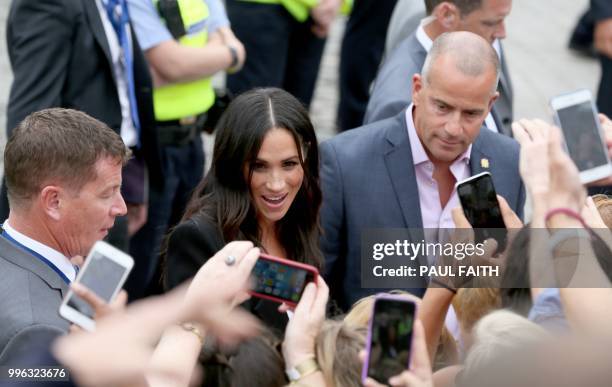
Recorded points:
383,296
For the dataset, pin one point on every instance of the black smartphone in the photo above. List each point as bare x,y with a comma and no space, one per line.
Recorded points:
481,208
281,280
389,338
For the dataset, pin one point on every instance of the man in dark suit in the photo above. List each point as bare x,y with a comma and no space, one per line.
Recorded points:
401,172
391,92
602,12
63,174
73,54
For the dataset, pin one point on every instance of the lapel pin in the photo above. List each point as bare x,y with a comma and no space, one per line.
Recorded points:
484,163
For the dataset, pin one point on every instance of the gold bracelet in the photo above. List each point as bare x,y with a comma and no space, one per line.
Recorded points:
191,327
306,367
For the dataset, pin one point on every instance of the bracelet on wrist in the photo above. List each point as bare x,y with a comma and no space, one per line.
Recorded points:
567,212
306,367
191,327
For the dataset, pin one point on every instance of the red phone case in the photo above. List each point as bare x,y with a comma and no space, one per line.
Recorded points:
311,269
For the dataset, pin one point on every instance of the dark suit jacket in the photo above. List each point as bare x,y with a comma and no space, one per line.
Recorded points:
30,297
392,91
368,182
61,58
190,245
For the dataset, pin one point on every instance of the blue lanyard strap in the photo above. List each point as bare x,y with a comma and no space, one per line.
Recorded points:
38,256
119,17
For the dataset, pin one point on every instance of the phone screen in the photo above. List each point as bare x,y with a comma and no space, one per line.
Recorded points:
279,280
102,276
391,338
582,136
479,201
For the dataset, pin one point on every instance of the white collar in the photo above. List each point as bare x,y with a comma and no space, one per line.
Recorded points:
59,260
422,36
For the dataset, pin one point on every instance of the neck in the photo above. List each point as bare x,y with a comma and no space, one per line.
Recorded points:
434,29
446,182
35,228
269,240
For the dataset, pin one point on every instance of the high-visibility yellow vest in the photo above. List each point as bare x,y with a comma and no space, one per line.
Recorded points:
173,102
300,9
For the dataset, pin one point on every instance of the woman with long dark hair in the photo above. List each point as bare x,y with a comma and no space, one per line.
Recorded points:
263,186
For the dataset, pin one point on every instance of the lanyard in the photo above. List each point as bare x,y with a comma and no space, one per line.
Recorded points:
117,11
38,256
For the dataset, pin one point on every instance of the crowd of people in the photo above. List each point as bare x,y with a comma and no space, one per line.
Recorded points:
104,120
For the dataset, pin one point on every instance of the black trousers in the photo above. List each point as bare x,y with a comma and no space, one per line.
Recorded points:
281,52
362,49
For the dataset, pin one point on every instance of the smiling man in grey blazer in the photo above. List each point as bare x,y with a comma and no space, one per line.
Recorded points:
63,174
401,172
393,84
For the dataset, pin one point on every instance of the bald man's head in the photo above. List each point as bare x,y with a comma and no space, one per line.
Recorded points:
454,94
471,55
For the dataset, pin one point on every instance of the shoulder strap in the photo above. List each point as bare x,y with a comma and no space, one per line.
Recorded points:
170,11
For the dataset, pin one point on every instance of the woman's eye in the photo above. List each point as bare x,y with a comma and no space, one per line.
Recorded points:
290,164
258,166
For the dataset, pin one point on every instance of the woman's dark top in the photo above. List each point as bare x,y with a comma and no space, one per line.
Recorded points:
190,245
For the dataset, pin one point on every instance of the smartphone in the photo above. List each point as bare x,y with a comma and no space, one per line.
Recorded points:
389,337
281,280
481,208
576,114
104,273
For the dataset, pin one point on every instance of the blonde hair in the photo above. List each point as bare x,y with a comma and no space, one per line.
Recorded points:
497,333
471,304
337,349
360,313
604,206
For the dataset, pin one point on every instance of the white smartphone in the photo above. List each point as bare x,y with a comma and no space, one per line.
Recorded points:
576,114
104,273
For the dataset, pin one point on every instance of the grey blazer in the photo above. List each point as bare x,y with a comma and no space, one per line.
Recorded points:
368,181
392,91
30,296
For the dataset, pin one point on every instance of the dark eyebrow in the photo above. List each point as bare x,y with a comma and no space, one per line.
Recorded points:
474,111
439,101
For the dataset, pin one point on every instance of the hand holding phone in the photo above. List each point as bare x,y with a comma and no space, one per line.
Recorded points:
420,372
304,326
104,273
479,202
281,280
577,116
389,338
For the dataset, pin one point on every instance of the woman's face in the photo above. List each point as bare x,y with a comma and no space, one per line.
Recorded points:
277,176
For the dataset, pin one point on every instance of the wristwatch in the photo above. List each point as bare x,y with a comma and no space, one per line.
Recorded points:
234,55
303,369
